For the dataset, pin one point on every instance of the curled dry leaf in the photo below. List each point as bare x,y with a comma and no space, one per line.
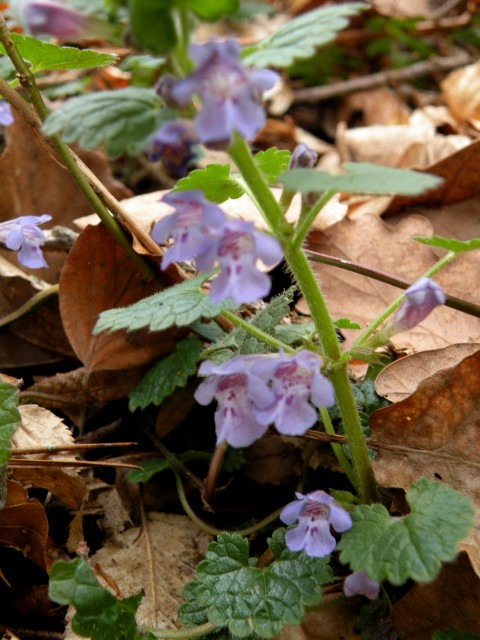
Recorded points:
435,433
98,275
461,92
401,378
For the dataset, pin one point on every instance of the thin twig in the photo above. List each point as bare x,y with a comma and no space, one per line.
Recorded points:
21,462
416,70
72,447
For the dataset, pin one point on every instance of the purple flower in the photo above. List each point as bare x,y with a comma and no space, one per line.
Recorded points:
228,383
315,513
231,94
174,144
6,116
191,225
420,299
303,157
23,235
48,17
236,248
292,382
358,583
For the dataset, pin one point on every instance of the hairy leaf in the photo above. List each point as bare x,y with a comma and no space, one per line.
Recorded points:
214,181
164,377
361,177
450,244
99,615
121,120
247,599
179,305
300,37
44,55
414,546
272,163
9,418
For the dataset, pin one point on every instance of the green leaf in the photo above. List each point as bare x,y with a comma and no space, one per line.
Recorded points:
247,599
44,55
122,120
450,244
214,181
9,418
272,163
361,177
212,10
300,37
295,333
148,470
345,323
164,377
179,305
241,342
367,398
152,25
414,546
99,615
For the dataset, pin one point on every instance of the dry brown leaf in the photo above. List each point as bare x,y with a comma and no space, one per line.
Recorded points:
377,106
435,433
177,545
370,242
80,394
461,92
41,428
451,600
98,275
24,525
401,378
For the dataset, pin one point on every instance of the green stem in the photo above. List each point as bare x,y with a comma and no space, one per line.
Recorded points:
256,332
27,80
337,448
398,301
306,221
263,196
184,634
297,260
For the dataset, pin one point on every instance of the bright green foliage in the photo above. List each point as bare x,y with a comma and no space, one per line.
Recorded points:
414,546
9,418
164,377
300,37
450,244
361,177
44,55
230,592
152,25
99,615
122,120
345,323
212,10
179,305
453,634
272,163
241,342
214,181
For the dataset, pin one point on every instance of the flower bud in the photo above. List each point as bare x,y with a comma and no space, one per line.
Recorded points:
303,157
6,116
420,299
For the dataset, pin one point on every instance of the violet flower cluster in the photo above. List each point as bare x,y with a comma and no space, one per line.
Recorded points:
255,391
359,584
23,235
201,230
315,513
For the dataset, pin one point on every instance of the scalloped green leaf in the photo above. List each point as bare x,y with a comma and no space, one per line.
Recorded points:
299,38
212,10
411,547
454,634
99,615
247,599
272,163
179,305
121,120
9,418
214,181
165,376
361,177
450,244
44,55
